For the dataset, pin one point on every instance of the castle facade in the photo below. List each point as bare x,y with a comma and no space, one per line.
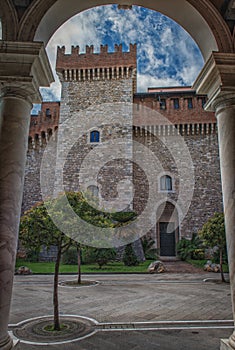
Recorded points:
155,153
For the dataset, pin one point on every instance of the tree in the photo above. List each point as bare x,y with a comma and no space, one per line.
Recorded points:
101,256
213,235
72,257
37,230
129,256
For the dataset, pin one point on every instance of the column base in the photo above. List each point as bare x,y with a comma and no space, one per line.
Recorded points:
224,345
16,345
16,342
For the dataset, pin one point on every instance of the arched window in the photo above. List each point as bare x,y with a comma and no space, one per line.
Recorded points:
94,190
95,136
166,183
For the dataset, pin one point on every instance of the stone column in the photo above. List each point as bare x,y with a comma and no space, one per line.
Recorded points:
217,81
225,113
23,68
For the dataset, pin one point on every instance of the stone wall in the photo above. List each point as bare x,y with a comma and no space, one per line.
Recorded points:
134,131
207,191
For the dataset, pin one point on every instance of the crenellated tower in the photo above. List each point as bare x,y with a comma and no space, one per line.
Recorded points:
97,67
97,97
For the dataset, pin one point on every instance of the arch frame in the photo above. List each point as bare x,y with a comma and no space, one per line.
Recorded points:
200,18
9,19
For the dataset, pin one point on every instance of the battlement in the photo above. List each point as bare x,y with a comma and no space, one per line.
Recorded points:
96,66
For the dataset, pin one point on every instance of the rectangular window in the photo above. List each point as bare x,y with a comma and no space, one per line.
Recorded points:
190,103
162,103
176,103
203,101
48,112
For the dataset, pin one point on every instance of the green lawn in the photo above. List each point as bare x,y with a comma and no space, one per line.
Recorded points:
118,267
43,267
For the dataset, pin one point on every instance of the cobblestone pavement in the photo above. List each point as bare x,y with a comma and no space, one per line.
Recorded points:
131,298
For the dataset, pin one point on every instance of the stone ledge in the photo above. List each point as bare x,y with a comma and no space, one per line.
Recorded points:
224,345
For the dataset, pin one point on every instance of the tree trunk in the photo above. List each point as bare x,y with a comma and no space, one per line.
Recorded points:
79,265
55,292
221,266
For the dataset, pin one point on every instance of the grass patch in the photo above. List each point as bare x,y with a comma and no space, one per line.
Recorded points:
50,328
112,267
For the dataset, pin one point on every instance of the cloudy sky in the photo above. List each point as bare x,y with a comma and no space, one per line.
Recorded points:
167,56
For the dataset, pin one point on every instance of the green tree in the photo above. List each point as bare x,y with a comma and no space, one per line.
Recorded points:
37,230
213,235
101,256
129,256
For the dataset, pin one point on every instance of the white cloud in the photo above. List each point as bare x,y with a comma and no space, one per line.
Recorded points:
145,81
166,54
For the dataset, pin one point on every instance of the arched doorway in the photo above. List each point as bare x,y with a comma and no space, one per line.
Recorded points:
167,230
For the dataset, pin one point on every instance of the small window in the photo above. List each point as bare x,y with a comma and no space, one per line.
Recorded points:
176,103
166,183
48,112
190,103
95,136
162,104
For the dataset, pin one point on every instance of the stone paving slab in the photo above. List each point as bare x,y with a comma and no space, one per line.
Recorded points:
131,298
144,340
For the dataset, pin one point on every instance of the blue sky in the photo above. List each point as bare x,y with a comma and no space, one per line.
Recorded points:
167,55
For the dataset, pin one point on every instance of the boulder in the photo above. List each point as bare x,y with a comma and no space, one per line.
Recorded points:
23,270
156,267
211,267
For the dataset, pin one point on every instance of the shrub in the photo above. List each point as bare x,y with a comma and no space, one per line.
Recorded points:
32,256
150,253
70,257
198,254
189,248
100,256
129,256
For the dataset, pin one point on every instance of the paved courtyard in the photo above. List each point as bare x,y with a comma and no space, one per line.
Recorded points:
136,311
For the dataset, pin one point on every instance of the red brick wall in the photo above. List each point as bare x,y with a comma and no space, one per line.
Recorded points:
90,60
47,119
182,115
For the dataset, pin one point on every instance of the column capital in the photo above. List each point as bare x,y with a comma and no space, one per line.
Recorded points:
216,80
24,67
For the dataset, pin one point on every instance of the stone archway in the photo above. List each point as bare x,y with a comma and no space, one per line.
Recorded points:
191,16
19,88
199,18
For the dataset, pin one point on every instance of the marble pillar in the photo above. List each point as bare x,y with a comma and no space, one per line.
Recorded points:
14,121
217,80
225,113
24,67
